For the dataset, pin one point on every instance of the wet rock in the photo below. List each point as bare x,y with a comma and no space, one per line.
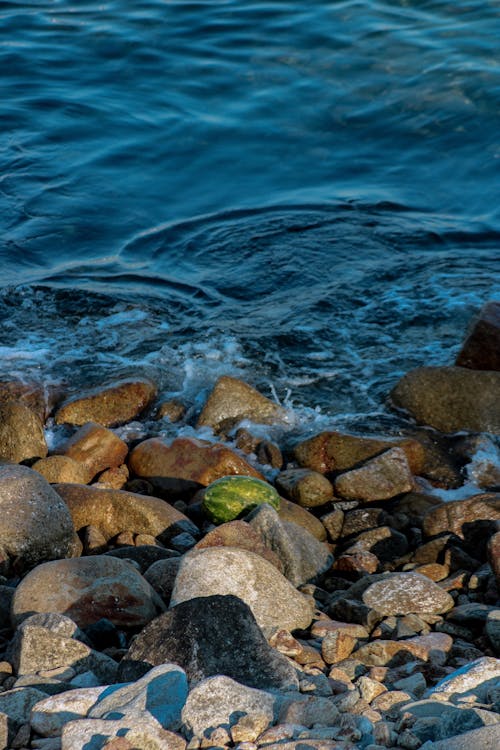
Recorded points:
239,534
289,511
404,593
115,511
97,447
305,487
172,410
451,399
385,543
116,404
161,575
380,478
162,693
21,433
274,602
233,400
87,589
472,520
37,397
36,524
220,701
472,681
434,647
335,451
188,459
302,556
268,453
209,636
62,469
481,348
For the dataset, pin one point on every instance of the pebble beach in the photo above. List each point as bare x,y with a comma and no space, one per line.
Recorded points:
338,593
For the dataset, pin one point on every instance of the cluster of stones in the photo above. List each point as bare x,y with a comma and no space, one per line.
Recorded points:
361,613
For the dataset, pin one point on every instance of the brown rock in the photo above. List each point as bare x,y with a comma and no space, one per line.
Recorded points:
434,571
322,627
289,511
305,487
380,478
434,647
96,447
172,410
239,534
384,543
113,479
362,519
358,563
469,519
333,523
87,589
187,459
269,454
115,511
335,451
451,399
234,400
62,469
337,645
37,397
494,555
118,403
481,348
21,433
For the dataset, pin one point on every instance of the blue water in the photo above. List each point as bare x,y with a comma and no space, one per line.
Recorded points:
304,194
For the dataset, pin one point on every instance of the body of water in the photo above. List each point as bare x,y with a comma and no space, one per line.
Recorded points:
302,194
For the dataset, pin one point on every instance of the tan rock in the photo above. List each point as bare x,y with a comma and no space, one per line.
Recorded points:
96,447
322,627
62,469
118,403
239,534
305,487
336,451
451,399
289,511
337,645
433,647
481,349
39,397
87,589
359,563
369,688
232,399
458,516
21,433
116,511
434,571
187,459
172,410
380,478
113,479
404,593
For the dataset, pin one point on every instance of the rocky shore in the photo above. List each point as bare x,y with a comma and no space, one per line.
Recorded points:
350,602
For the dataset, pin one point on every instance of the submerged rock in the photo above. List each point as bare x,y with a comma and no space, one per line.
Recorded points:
209,636
451,399
232,400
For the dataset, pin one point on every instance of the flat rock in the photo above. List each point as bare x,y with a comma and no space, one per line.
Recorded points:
239,534
481,348
220,701
451,399
232,400
116,404
87,589
162,693
335,451
95,446
187,459
114,511
140,732
380,478
36,524
49,715
473,680
405,593
62,469
209,636
469,519
433,647
302,556
273,600
21,433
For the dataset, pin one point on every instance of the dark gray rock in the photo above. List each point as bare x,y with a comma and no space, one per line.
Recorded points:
206,636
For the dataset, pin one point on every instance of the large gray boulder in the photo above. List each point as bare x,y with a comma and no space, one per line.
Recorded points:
36,524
